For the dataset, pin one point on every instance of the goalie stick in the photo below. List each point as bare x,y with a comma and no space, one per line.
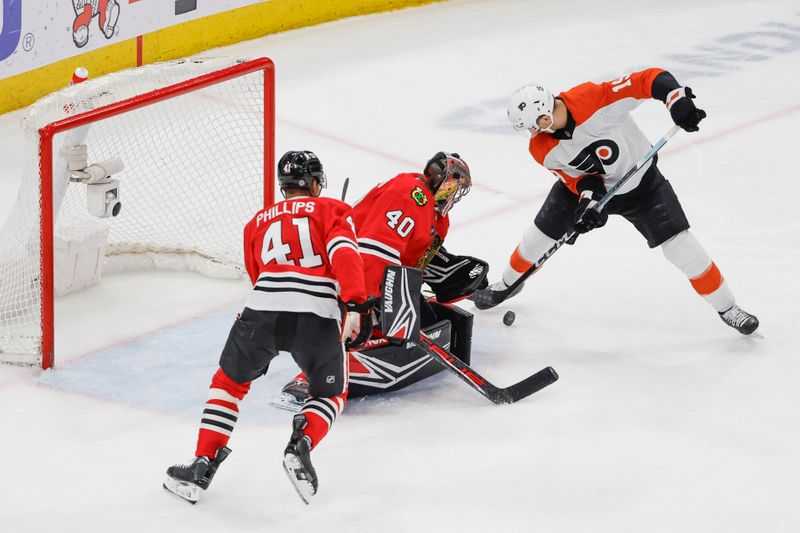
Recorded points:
495,394
400,320
500,296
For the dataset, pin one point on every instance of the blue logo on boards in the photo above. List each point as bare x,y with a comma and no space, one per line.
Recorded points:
12,26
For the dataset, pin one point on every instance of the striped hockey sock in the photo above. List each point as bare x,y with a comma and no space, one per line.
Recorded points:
533,245
686,253
220,414
320,414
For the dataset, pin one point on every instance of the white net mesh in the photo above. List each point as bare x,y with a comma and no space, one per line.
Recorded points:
193,175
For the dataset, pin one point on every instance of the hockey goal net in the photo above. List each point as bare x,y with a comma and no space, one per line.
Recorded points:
193,146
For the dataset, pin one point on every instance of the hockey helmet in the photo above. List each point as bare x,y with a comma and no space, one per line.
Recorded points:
529,103
297,169
449,178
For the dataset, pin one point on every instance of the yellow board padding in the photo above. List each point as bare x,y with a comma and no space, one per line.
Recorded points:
264,18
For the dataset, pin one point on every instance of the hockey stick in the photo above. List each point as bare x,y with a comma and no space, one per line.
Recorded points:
400,321
344,188
468,375
501,296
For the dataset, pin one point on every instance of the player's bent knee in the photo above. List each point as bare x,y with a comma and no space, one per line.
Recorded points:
329,379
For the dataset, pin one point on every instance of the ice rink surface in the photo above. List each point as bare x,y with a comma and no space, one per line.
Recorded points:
664,419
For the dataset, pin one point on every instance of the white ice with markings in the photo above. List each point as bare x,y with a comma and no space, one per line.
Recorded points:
663,420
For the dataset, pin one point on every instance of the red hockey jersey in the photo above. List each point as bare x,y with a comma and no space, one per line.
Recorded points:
396,224
605,142
301,255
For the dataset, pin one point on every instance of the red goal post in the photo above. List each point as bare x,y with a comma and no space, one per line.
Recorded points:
205,139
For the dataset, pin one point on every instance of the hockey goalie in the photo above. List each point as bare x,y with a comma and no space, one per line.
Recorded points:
404,221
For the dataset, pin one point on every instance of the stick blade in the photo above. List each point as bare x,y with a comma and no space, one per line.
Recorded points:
530,385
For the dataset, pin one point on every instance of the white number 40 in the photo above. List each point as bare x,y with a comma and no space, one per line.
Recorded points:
402,225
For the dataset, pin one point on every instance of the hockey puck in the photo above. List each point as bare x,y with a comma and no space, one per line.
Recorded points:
509,317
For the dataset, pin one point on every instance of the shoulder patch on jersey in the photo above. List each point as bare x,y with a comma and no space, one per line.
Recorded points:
418,195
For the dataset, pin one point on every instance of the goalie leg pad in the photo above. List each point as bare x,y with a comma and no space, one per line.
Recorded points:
385,365
461,329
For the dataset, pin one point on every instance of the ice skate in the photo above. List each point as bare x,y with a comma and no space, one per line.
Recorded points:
740,320
493,295
297,461
292,397
187,481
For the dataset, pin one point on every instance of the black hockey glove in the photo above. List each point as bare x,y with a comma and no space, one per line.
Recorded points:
586,217
454,277
683,111
358,323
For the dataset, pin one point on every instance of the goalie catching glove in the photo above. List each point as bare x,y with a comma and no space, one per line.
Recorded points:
455,277
358,323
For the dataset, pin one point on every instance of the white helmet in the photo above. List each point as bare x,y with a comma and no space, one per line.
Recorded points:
529,103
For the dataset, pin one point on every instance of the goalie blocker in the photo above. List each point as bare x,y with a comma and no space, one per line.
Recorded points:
455,277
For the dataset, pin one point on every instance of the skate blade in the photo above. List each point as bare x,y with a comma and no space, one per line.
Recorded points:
188,492
287,402
293,469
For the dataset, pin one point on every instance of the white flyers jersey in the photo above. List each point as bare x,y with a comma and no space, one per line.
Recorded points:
605,141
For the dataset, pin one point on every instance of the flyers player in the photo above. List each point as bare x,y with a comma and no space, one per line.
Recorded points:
302,257
404,221
587,138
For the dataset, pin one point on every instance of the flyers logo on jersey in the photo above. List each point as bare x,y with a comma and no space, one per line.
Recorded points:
419,196
591,159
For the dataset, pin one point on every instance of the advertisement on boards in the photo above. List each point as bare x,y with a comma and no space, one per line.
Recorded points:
36,33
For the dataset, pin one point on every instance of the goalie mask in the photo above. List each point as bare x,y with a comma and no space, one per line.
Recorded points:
449,179
297,169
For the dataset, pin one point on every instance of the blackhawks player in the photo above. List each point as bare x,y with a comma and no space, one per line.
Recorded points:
302,257
587,138
404,221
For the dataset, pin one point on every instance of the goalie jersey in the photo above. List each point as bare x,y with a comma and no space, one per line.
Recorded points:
601,137
302,257
397,224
